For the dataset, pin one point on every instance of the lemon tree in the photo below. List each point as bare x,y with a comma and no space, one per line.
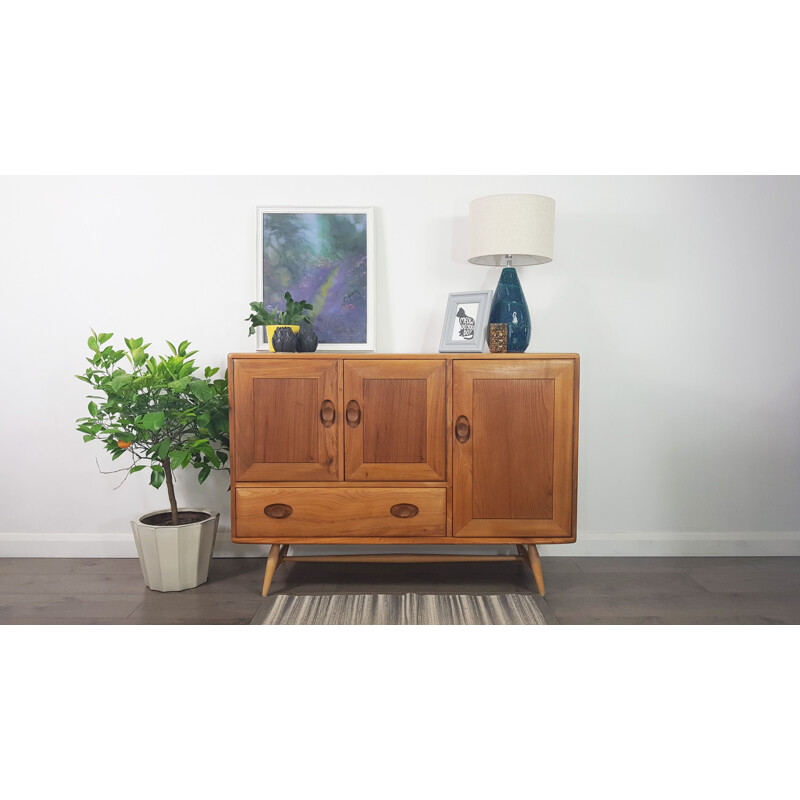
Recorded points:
156,410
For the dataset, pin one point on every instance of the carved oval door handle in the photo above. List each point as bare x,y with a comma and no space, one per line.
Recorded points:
462,429
327,413
404,510
353,414
278,511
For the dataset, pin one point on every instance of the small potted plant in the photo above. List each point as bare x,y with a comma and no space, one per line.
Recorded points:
164,417
294,313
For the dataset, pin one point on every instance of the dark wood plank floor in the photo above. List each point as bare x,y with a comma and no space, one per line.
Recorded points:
580,591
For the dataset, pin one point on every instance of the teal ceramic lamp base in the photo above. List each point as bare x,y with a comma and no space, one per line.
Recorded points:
509,306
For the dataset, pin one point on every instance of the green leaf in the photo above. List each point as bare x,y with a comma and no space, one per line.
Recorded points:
163,449
179,385
93,408
139,356
138,468
201,390
152,421
205,471
88,437
187,369
120,381
156,476
92,342
209,453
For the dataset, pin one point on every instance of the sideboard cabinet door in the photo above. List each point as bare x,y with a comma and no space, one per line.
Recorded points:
287,419
395,426
513,447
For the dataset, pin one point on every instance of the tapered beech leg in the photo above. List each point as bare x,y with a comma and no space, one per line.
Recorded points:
536,566
272,565
283,553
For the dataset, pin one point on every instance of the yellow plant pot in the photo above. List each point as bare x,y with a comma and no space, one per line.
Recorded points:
272,328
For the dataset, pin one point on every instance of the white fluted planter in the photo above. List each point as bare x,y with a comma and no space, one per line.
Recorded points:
175,557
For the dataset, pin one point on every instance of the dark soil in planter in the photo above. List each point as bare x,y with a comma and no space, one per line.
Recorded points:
165,518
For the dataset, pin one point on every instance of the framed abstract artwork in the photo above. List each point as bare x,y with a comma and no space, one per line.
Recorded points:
464,329
326,257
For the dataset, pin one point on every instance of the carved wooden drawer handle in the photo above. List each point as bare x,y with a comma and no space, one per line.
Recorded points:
327,414
462,429
404,510
353,413
278,511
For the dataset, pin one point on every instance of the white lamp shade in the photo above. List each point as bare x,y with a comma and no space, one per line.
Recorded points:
516,225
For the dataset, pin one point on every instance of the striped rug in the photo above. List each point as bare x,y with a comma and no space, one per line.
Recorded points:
404,609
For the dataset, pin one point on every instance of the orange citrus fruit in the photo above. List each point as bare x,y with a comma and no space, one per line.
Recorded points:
122,444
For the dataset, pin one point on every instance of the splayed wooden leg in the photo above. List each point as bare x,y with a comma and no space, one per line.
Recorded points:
536,566
272,565
283,553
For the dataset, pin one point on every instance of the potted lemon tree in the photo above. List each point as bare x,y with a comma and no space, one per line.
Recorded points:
157,412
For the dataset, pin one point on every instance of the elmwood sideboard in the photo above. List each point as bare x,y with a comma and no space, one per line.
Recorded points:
403,449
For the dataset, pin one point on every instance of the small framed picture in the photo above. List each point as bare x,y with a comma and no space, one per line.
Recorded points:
465,320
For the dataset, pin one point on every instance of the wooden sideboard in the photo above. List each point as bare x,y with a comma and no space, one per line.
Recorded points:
403,449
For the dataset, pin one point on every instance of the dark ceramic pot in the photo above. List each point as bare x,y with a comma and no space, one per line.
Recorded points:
284,340
307,340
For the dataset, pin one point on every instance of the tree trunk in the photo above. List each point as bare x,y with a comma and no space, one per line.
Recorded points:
173,503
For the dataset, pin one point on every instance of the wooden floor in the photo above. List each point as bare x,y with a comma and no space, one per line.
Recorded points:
582,591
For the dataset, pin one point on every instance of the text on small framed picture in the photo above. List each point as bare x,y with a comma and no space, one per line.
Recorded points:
465,320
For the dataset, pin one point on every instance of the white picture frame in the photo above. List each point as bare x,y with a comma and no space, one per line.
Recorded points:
341,328
465,311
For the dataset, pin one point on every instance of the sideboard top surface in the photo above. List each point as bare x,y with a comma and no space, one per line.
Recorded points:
348,355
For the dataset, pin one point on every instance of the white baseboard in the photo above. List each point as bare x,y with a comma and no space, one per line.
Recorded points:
120,545
102,545
674,544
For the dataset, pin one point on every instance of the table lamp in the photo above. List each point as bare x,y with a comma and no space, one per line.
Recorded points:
508,231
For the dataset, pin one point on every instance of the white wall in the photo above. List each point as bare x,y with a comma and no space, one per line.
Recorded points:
679,294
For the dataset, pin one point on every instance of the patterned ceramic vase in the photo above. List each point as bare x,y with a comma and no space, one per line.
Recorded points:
509,306
284,340
307,340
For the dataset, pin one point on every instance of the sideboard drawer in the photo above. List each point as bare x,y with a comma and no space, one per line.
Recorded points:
296,512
